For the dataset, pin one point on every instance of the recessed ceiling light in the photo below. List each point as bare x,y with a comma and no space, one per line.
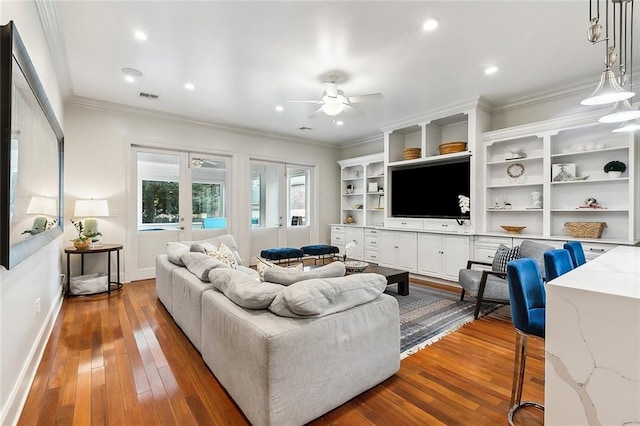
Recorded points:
140,35
129,79
339,123
189,86
279,108
131,72
491,70
430,25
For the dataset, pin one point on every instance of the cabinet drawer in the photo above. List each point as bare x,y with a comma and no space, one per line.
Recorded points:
403,223
337,229
338,239
371,256
593,250
371,241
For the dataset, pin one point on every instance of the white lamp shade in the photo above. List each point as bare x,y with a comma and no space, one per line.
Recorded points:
91,208
42,205
608,91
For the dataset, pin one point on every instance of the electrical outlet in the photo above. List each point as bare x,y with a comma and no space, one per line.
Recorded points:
38,305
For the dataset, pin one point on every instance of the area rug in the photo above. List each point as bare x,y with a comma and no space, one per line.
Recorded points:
427,314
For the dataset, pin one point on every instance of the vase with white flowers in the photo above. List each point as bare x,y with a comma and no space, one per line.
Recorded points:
465,207
350,246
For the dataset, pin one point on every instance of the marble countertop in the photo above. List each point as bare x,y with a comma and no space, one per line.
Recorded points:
616,272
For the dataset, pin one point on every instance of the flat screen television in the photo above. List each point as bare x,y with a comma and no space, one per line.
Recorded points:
430,190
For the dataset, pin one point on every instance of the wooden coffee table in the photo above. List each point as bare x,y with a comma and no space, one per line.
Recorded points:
393,276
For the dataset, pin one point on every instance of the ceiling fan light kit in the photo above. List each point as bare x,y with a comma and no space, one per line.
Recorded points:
611,88
334,102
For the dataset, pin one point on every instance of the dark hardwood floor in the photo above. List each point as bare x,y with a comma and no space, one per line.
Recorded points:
122,360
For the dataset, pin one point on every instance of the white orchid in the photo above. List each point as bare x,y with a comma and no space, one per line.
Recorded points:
465,206
464,203
350,245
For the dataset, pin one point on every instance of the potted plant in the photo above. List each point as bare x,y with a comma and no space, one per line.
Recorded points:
83,240
614,168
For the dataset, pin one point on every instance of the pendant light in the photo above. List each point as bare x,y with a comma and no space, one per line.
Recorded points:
611,88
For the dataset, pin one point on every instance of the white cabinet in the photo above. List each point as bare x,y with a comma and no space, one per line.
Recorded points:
562,161
442,255
362,190
398,250
371,244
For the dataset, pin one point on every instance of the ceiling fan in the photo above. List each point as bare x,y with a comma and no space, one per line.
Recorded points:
334,101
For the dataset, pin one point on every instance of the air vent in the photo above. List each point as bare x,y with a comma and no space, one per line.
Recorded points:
304,128
148,96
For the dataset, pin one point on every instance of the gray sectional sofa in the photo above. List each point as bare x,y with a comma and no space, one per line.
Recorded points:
301,350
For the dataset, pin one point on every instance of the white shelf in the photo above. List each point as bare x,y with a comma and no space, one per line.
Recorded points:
371,169
432,159
593,151
515,185
573,182
591,211
513,210
515,160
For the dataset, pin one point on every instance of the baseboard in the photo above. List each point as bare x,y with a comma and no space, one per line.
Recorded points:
18,397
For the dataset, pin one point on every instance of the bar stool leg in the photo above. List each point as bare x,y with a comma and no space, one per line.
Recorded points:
518,378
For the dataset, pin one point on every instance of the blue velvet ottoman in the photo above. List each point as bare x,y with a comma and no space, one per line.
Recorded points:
281,254
320,251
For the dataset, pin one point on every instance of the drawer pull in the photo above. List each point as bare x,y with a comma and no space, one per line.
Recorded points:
596,249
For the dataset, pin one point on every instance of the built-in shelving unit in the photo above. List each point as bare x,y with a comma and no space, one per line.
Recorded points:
564,164
362,190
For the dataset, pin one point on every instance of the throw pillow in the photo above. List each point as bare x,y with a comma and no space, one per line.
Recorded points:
202,247
262,265
289,276
199,264
503,256
324,296
243,290
174,251
223,254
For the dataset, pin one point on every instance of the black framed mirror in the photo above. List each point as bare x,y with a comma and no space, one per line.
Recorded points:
31,156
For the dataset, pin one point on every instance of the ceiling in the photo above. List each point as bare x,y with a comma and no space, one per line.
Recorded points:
244,58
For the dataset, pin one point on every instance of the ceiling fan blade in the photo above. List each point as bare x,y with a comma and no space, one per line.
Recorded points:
316,113
366,98
331,89
349,110
306,101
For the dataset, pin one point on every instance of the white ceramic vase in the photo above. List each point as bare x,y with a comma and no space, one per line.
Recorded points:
614,174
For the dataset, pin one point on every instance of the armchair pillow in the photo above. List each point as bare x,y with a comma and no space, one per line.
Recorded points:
289,276
324,296
243,290
224,255
503,256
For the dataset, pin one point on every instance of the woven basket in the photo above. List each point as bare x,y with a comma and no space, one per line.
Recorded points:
411,153
585,229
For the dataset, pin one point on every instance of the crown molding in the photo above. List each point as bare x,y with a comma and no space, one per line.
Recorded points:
50,21
363,141
547,96
95,104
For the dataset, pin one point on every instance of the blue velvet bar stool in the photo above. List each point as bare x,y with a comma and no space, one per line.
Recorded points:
557,262
528,299
576,251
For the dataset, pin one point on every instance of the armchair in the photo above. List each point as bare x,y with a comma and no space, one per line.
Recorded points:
492,284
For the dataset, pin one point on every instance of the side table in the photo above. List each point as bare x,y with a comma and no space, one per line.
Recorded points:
102,248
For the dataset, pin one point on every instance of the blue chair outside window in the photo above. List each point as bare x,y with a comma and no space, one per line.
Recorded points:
528,307
557,262
214,222
577,252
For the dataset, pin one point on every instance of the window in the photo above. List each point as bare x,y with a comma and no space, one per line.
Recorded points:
160,202
298,198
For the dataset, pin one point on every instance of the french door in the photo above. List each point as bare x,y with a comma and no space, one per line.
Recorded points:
282,213
179,196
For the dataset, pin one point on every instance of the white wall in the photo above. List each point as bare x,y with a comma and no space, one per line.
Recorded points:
97,143
23,332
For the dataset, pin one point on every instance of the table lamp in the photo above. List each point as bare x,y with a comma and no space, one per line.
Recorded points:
42,206
90,209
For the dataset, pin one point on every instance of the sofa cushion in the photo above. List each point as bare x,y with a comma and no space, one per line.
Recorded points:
244,290
262,265
176,248
504,255
289,276
199,264
324,296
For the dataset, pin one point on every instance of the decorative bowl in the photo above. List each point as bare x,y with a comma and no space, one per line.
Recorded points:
355,265
451,147
512,229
